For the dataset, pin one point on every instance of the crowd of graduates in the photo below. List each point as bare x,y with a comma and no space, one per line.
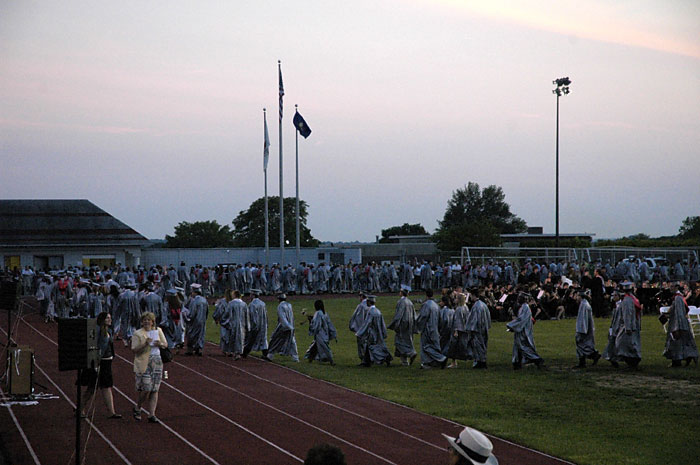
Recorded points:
452,326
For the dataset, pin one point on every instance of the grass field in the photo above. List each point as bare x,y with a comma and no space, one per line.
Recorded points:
595,416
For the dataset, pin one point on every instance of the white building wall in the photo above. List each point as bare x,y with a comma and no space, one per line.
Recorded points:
213,257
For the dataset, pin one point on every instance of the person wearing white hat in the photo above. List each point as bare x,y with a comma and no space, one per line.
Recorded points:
471,447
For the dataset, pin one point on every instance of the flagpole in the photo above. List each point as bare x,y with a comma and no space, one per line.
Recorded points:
296,138
281,94
267,236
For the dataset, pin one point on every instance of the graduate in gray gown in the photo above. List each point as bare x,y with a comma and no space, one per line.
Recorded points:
459,341
322,330
222,317
196,319
374,330
283,340
357,319
427,323
478,325
585,331
152,302
445,322
172,315
524,350
609,352
628,344
256,338
129,311
403,324
680,343
240,325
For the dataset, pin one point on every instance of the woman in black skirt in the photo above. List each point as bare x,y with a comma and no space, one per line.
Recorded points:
101,378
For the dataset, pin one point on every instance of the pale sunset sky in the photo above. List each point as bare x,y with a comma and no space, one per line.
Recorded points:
154,110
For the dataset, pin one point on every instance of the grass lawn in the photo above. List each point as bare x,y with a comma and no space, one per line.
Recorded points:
595,416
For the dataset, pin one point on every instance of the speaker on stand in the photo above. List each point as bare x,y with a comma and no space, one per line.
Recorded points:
9,300
77,350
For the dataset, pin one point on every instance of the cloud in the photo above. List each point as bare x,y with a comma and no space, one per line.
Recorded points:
661,26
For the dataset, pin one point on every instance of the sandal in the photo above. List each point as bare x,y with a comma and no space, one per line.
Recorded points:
136,412
153,419
115,416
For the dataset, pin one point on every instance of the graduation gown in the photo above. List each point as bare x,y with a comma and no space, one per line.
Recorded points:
374,331
256,338
609,352
196,319
129,313
222,315
478,325
356,321
459,345
445,328
283,340
240,325
403,324
680,343
171,324
628,342
427,324
322,330
585,330
524,350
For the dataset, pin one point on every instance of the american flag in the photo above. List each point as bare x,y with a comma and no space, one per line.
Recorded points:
279,64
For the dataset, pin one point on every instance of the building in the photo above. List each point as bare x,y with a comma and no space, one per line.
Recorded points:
53,234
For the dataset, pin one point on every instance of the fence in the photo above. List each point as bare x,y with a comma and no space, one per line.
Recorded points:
481,255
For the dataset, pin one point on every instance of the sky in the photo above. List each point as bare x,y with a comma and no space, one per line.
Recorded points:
154,110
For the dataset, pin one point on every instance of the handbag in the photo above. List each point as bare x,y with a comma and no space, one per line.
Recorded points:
166,354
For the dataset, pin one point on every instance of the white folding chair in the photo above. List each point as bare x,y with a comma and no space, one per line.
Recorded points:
663,311
694,318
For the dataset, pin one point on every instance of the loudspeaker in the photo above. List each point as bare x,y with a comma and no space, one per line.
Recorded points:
21,370
77,344
9,293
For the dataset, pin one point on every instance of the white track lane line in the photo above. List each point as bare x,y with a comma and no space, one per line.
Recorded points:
178,435
343,409
193,400
65,396
287,414
411,409
89,421
21,431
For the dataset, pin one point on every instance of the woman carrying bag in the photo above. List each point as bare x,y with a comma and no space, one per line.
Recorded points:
148,366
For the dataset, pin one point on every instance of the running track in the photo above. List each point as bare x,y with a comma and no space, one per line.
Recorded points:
214,410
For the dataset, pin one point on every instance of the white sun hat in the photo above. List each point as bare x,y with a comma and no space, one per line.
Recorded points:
473,446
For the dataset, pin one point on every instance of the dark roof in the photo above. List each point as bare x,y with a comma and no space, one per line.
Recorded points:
25,223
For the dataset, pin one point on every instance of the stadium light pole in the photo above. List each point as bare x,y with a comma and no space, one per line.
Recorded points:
561,89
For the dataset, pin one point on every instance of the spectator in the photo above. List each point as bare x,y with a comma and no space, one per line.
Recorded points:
148,366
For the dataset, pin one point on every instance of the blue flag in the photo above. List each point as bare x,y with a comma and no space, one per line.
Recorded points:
301,125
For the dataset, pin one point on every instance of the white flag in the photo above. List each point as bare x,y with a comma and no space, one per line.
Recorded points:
266,146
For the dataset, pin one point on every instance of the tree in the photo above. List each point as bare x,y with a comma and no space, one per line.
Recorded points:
690,229
477,217
200,234
403,230
249,225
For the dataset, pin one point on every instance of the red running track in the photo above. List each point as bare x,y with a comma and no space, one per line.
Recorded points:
217,410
